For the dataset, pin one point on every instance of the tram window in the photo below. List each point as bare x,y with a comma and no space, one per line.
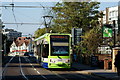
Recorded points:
60,50
38,50
45,52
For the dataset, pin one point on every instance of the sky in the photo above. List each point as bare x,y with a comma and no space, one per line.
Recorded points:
57,0
25,15
32,15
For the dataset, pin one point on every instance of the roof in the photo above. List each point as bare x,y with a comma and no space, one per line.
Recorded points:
20,40
41,37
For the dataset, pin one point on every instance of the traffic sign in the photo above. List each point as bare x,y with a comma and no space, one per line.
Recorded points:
76,35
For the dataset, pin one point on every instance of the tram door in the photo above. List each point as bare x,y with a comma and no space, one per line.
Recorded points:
45,50
39,52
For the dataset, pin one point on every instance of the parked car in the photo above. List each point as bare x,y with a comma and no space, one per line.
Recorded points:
31,54
26,54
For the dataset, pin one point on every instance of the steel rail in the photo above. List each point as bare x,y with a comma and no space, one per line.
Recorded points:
3,71
34,67
59,75
52,72
7,65
21,71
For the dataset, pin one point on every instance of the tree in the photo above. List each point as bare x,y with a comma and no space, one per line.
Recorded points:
91,41
40,32
75,14
80,15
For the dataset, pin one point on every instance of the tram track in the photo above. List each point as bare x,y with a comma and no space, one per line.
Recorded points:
35,69
4,69
59,76
24,68
21,71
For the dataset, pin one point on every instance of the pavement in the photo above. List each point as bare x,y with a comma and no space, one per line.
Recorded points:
95,71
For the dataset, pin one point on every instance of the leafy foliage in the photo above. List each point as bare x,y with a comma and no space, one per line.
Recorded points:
75,14
40,32
91,41
68,15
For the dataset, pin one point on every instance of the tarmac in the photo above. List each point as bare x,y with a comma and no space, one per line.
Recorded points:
95,71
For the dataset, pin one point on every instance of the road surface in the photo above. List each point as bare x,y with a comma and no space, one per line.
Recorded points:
27,68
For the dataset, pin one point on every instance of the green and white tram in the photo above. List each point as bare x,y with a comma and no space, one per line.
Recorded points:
54,50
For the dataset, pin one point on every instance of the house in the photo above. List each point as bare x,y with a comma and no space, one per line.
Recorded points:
20,46
110,14
11,34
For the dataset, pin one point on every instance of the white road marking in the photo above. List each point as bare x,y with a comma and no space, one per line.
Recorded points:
38,72
59,75
36,69
22,70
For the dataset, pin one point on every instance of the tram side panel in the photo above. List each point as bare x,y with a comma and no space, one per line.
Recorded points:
54,51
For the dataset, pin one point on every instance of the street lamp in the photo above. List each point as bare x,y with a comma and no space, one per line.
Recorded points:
47,20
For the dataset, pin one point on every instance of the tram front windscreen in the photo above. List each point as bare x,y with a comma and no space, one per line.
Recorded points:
59,45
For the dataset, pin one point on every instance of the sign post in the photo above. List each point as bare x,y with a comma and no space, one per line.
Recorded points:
107,32
76,33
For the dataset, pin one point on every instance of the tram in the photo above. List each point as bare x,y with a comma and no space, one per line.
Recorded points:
54,50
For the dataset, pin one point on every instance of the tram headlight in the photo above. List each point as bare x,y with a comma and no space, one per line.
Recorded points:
67,61
52,60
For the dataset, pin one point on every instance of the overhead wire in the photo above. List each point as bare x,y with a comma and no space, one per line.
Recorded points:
14,13
26,23
41,6
51,10
53,7
22,23
31,18
25,6
49,13
15,17
44,8
13,6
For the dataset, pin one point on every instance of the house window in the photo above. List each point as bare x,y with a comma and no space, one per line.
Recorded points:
112,13
109,18
103,17
116,13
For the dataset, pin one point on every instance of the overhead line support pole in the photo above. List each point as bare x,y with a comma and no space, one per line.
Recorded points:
114,32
